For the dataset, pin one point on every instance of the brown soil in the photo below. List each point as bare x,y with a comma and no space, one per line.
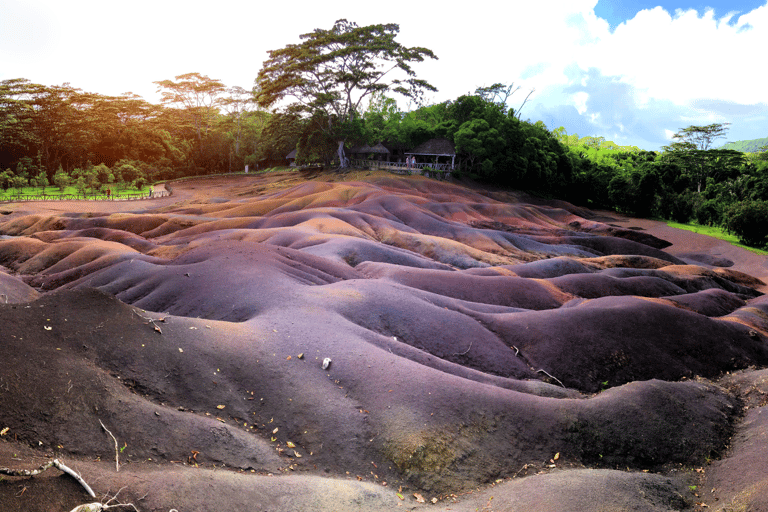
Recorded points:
489,351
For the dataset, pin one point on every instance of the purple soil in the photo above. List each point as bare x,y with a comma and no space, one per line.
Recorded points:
473,336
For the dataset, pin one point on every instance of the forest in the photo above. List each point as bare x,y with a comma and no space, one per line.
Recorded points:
61,135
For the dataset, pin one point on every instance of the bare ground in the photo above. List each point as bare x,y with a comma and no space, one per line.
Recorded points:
489,351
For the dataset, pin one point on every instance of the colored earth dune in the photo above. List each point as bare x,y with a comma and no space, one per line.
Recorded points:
487,349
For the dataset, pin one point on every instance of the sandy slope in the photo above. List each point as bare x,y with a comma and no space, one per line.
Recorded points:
565,358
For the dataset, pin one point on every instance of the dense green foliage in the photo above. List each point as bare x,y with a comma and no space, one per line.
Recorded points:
685,182
749,220
49,131
59,136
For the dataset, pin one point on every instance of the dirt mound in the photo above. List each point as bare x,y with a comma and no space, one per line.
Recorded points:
362,345
13,290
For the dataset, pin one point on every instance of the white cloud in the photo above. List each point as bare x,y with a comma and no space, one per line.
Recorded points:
654,72
580,101
686,55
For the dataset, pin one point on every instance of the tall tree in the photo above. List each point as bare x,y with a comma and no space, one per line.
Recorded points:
702,137
17,139
236,105
330,73
196,93
197,99
693,150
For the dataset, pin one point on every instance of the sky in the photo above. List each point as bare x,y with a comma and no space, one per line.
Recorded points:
634,72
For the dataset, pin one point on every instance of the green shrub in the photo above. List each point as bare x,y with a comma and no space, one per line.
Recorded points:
681,207
749,221
708,213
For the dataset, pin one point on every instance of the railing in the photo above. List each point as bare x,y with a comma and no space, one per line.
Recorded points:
85,197
427,169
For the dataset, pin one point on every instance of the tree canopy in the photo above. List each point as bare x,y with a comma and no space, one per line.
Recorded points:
328,75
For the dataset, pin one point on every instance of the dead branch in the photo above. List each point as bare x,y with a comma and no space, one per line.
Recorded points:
55,463
104,505
551,377
465,352
99,507
151,321
117,448
520,110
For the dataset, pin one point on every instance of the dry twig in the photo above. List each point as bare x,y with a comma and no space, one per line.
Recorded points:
465,352
117,448
551,377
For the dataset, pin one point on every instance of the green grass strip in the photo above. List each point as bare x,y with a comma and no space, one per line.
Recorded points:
51,191
715,232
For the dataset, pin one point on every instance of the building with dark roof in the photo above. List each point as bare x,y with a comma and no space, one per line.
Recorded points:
437,149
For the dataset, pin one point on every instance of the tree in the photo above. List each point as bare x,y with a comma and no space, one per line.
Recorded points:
330,73
6,178
19,182
197,100
382,119
702,137
278,138
500,93
196,93
41,180
693,150
749,220
16,113
61,179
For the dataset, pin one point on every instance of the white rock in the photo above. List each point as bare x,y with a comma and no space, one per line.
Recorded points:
326,363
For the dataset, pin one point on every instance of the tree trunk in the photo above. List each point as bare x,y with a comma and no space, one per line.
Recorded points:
343,161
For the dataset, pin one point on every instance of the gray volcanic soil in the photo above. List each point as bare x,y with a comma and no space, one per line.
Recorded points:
489,351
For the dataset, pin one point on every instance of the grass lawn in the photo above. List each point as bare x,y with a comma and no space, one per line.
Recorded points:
53,191
226,174
715,232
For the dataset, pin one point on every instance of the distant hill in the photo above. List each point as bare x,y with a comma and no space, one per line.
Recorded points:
747,146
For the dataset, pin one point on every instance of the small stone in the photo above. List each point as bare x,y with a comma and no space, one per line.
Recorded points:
326,363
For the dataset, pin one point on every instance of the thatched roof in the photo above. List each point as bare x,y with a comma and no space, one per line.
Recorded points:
434,147
378,148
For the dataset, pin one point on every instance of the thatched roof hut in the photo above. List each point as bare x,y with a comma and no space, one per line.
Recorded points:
379,150
436,148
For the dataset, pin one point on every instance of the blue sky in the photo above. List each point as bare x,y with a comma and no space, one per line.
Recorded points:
632,72
618,11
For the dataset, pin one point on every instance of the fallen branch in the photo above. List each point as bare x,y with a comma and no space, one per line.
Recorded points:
152,321
55,463
551,377
117,448
466,351
98,507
